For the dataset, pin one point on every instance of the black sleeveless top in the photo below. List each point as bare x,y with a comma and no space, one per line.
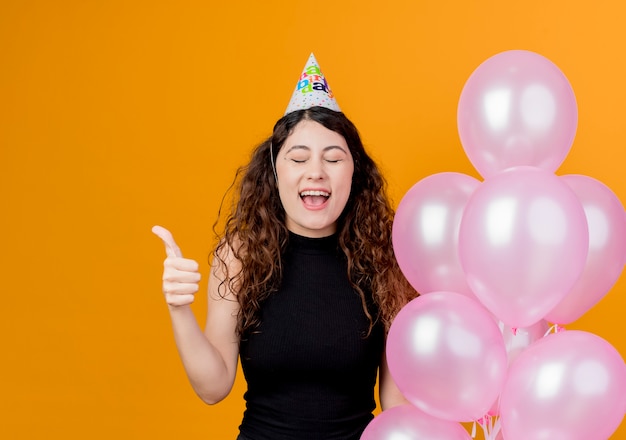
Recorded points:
310,366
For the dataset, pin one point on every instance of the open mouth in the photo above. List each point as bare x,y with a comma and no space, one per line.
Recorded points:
314,198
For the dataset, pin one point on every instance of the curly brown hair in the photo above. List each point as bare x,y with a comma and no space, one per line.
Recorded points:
256,235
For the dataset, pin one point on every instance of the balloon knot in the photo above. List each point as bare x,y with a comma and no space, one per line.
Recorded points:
484,420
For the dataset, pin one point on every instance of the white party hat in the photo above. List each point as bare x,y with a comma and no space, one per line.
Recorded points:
312,89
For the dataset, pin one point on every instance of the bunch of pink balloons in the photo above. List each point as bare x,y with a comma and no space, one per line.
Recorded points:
497,261
405,422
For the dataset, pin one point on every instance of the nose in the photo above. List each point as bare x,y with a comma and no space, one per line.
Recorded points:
315,170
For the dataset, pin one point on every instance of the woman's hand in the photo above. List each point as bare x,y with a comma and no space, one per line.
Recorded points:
180,275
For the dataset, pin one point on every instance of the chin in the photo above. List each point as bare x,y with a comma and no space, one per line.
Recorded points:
317,231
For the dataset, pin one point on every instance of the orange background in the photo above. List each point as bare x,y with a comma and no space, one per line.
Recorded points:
118,115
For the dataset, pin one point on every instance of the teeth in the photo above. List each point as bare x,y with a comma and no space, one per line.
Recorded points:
314,193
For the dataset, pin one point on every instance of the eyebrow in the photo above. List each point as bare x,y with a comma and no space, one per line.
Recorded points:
304,147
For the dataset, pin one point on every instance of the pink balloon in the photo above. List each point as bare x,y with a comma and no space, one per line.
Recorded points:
523,243
426,229
517,108
607,248
567,386
447,356
405,422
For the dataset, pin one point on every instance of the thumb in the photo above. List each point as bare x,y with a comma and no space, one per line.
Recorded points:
171,248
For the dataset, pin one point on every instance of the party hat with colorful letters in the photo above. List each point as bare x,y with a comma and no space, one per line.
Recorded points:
312,89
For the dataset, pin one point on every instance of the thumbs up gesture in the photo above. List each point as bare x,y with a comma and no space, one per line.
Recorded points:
180,275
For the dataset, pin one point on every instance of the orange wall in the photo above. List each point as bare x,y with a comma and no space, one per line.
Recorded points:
117,115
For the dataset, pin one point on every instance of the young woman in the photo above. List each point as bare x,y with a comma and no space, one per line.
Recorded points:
303,286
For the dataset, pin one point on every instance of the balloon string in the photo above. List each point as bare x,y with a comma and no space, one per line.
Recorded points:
490,426
484,424
496,429
556,328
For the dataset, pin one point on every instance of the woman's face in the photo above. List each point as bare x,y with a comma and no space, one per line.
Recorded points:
314,169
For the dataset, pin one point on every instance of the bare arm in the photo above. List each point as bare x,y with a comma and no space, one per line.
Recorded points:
388,391
210,356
